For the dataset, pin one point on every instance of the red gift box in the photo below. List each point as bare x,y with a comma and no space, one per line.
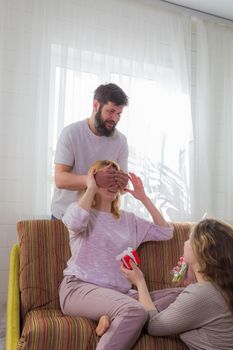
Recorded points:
129,255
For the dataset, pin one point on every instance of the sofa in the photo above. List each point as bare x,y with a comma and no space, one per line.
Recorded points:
34,318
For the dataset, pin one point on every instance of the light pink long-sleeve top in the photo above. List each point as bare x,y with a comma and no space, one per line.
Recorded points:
96,238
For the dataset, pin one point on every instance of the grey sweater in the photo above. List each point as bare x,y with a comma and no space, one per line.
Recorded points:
199,315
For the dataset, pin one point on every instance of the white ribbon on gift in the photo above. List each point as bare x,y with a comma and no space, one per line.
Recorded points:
127,252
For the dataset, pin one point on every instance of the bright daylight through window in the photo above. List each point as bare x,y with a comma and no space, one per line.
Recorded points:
157,124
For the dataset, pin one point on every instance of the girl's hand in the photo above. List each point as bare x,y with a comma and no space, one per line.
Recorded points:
134,276
179,264
189,276
91,183
138,188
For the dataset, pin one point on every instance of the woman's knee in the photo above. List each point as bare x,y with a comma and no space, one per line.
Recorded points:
134,310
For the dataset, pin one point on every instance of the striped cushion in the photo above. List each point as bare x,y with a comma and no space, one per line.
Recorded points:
44,251
50,330
159,343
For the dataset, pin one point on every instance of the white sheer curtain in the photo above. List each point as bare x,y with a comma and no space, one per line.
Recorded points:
24,63
54,54
145,52
212,179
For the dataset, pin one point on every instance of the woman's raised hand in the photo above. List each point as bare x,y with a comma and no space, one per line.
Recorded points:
138,188
91,182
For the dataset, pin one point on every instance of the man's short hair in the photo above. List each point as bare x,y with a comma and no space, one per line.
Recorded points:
110,93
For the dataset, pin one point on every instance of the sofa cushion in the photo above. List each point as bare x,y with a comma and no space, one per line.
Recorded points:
50,330
147,342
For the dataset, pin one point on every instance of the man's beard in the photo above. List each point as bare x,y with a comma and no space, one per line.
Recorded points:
100,126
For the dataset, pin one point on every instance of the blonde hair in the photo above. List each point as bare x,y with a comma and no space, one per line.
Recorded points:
212,241
115,205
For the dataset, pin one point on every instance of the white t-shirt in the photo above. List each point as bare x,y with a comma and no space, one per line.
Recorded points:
79,147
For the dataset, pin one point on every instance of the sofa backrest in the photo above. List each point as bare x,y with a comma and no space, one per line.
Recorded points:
158,258
44,251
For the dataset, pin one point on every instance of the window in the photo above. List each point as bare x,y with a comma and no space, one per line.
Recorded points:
157,122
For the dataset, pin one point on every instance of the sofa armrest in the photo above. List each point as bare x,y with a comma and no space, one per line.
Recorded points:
13,301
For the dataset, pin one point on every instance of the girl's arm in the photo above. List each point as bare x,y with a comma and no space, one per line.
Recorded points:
154,212
135,276
144,296
75,218
139,193
192,308
86,200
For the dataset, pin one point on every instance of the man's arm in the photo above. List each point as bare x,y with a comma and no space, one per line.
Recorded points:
65,179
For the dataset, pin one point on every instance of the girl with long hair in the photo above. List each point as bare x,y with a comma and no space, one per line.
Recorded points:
202,314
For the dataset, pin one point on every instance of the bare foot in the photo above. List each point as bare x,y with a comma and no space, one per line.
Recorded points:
103,325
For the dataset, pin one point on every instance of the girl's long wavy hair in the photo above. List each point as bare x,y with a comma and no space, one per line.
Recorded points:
212,241
98,165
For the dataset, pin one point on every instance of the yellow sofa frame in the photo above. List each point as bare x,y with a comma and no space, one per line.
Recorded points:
13,301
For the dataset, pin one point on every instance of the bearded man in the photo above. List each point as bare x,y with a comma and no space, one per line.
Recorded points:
82,143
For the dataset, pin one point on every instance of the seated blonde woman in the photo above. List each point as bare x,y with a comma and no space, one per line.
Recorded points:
202,314
93,284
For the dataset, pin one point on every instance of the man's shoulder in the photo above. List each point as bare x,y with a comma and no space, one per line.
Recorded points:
119,135
75,127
